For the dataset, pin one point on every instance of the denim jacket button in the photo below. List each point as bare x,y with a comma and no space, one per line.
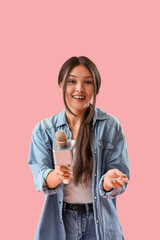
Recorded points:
95,197
97,221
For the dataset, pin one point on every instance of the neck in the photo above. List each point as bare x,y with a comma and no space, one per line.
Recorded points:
74,120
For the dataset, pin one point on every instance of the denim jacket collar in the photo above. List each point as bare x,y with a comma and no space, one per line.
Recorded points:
98,115
61,118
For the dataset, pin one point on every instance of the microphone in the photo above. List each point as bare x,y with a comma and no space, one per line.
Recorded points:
62,150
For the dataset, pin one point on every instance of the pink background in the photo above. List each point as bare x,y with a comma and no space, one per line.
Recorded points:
123,39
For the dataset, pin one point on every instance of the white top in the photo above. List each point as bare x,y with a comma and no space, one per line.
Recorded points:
79,193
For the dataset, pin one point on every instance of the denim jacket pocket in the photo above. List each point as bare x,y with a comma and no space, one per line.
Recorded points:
105,149
105,145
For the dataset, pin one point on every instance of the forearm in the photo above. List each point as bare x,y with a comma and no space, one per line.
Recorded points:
52,180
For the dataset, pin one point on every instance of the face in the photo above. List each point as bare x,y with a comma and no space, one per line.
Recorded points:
79,89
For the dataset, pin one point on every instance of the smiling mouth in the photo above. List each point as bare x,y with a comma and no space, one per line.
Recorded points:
78,97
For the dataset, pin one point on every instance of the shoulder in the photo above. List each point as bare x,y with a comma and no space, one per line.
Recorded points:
47,124
107,126
106,118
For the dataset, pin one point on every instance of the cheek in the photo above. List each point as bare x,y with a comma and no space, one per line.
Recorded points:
91,93
69,92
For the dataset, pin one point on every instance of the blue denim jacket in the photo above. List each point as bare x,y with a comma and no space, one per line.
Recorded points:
109,151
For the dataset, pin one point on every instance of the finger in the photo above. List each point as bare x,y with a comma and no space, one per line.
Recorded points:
62,173
118,173
113,183
125,179
116,184
120,181
62,168
63,177
65,167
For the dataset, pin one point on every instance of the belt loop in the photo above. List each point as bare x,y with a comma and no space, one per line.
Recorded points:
87,209
64,206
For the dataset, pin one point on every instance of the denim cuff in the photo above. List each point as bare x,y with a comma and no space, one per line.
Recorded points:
41,182
109,194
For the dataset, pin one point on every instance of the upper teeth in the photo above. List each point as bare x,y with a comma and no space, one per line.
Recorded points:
78,97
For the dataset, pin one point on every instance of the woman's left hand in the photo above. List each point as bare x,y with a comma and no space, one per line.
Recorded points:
114,179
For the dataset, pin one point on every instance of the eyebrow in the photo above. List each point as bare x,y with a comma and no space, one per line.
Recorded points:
76,76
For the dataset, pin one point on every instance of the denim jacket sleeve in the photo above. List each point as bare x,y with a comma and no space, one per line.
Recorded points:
40,161
118,159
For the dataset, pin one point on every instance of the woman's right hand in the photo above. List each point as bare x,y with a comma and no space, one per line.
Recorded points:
56,176
63,172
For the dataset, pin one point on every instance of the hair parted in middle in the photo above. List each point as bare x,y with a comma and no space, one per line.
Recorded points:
83,167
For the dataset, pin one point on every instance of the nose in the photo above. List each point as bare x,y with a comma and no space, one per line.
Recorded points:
79,87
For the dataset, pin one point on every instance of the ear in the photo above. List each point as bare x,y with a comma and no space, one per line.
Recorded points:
60,87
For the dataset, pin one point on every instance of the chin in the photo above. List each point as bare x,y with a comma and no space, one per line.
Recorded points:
79,109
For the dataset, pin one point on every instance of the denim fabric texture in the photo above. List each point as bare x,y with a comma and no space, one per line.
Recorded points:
79,225
109,152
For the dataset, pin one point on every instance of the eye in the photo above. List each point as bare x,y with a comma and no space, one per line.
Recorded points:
88,82
71,81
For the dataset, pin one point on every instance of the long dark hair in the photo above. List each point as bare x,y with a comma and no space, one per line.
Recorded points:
83,167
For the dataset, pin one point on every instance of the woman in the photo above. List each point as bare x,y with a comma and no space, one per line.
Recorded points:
86,207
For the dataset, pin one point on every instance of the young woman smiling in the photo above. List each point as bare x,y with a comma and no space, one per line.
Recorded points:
86,207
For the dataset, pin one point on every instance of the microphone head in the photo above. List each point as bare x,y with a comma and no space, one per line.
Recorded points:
61,138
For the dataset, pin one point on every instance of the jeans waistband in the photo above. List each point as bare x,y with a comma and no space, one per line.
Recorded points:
86,207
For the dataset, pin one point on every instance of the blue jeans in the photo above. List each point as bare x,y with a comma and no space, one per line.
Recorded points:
79,225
